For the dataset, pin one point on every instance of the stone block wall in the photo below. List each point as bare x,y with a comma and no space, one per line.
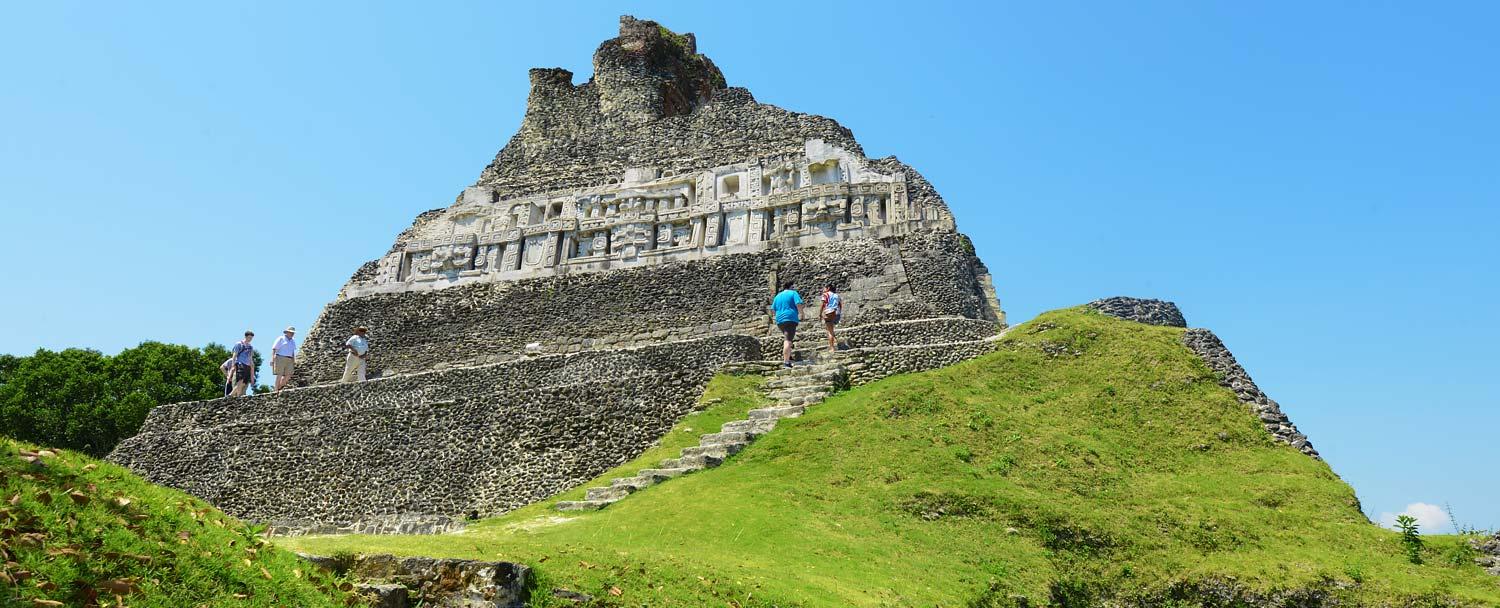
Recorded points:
488,322
893,333
1150,312
417,453
870,364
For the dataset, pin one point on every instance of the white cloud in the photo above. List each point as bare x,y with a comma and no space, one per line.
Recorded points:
1431,519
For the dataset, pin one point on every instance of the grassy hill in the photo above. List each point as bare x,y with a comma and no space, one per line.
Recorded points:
79,532
1087,460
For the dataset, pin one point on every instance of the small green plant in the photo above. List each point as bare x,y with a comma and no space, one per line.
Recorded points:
341,562
1461,554
1411,538
1002,465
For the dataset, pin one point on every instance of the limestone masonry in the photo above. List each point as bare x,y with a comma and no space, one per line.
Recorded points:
570,305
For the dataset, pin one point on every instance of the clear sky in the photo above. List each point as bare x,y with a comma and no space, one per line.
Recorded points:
1319,183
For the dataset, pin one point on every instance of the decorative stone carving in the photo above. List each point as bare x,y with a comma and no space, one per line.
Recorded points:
711,230
389,269
827,193
511,259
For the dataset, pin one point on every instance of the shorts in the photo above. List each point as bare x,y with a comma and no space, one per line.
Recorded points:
243,373
282,366
789,329
832,319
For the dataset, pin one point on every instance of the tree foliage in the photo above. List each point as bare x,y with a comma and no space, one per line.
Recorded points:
84,400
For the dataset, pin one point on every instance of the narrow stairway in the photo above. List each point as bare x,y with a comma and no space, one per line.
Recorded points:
794,389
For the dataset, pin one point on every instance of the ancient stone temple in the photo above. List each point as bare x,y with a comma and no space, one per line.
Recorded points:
569,306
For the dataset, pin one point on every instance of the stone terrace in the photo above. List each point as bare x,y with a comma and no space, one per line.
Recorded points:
414,452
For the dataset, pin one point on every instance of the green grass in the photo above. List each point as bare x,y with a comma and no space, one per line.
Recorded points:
1088,459
79,532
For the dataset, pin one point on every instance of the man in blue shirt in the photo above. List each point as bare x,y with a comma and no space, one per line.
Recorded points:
244,365
785,305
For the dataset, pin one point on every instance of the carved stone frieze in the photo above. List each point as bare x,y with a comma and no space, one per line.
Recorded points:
648,216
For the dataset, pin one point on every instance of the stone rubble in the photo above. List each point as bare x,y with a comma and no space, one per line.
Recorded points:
1489,553
1150,312
1213,352
389,581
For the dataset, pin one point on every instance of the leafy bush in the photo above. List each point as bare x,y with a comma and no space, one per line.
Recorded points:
1411,539
87,401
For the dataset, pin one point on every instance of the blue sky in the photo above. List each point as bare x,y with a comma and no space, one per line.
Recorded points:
1319,183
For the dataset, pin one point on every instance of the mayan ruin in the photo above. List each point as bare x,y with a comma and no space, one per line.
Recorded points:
505,305
571,305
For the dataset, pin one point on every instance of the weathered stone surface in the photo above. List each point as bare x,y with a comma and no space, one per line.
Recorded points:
383,595
688,195
487,322
1150,312
1213,352
417,453
638,224
870,364
439,583
1489,553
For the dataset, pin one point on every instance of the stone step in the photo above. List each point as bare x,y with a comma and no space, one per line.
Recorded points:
804,370
727,437
582,505
801,391
634,483
701,461
722,450
826,377
803,401
788,411
663,474
611,493
762,426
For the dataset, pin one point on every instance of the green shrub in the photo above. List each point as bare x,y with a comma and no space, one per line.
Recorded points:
1411,539
87,401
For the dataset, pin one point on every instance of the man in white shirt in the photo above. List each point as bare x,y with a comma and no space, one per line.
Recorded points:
359,350
283,356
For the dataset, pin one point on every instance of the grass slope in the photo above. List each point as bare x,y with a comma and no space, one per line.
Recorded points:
1088,459
79,532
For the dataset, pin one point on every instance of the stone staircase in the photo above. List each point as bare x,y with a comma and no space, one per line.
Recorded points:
794,390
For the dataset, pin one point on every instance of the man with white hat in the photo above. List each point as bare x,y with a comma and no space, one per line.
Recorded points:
359,350
284,356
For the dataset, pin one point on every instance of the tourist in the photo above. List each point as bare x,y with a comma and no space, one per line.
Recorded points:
785,305
359,350
283,356
244,365
228,368
832,311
